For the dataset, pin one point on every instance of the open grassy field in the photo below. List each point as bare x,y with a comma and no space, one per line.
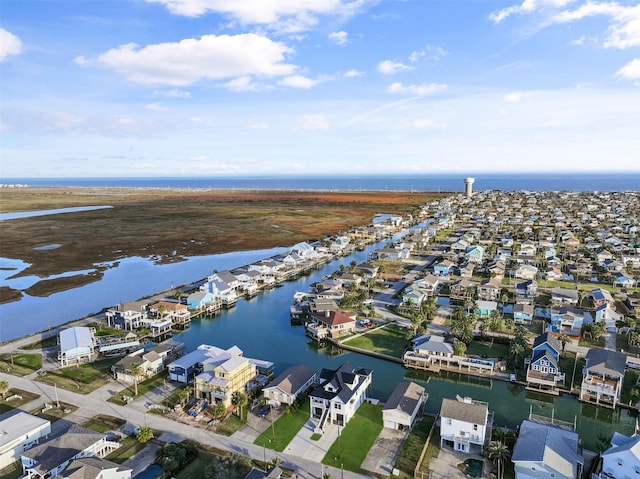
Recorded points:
390,340
173,224
84,378
284,429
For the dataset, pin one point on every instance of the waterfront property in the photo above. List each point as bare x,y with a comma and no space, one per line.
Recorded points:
18,433
77,345
290,384
622,459
547,450
602,377
543,370
145,363
331,324
339,395
465,425
403,406
55,457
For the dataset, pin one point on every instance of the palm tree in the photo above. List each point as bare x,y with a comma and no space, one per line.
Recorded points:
564,339
185,395
136,371
276,461
516,350
498,452
460,348
239,399
4,387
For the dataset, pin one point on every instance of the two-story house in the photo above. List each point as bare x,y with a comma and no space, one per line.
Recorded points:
602,377
339,395
543,369
403,406
622,459
290,384
465,424
331,324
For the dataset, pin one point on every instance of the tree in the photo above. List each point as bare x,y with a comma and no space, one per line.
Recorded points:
185,394
233,466
145,434
239,400
564,339
276,461
429,308
459,348
136,372
219,410
4,387
498,452
516,350
174,456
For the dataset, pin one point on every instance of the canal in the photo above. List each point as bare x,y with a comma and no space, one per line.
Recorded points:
261,327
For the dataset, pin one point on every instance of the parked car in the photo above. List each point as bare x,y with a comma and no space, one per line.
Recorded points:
264,411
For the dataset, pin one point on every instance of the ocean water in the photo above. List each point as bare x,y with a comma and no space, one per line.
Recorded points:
626,181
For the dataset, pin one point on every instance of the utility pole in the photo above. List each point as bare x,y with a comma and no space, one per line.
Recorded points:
55,388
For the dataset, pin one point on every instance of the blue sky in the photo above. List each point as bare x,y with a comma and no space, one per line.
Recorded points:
292,87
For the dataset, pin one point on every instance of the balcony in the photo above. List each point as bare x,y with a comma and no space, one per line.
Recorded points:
545,379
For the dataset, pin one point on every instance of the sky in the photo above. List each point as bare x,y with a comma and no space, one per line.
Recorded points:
93,88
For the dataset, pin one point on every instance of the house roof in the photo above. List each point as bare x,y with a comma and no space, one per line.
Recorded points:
20,424
606,361
334,318
90,468
76,337
341,383
465,409
54,452
405,397
620,442
432,343
292,379
552,445
549,339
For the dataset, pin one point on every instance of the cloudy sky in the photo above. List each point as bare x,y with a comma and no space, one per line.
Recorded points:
278,87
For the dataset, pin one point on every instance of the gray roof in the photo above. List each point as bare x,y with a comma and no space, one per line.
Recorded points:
292,379
406,397
432,343
472,411
76,337
550,339
338,380
552,445
18,425
56,451
606,361
90,468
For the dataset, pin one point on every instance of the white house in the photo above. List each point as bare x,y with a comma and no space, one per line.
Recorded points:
465,424
19,433
547,451
339,395
95,468
289,384
622,459
77,345
403,406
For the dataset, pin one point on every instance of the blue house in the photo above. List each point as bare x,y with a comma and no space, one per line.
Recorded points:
199,300
543,370
443,268
474,253
523,312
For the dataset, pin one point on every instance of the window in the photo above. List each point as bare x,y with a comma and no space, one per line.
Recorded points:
475,427
448,421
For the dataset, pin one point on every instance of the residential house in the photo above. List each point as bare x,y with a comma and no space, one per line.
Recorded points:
413,296
600,297
95,468
474,254
465,425
49,459
633,303
127,315
290,384
526,271
467,269
178,313
19,433
77,345
428,349
443,268
274,473
623,281
567,320
527,289
489,290
368,270
429,285
622,459
564,296
151,361
339,395
547,451
403,406
613,266
602,377
331,324
462,289
484,309
225,372
523,312
199,300
497,269
543,367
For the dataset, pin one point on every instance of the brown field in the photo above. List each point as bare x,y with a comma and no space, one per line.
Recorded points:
172,224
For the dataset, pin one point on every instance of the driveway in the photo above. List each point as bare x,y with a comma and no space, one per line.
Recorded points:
385,451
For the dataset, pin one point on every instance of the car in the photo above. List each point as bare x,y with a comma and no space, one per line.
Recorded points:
264,410
363,322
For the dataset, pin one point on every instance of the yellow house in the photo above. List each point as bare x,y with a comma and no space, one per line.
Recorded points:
225,373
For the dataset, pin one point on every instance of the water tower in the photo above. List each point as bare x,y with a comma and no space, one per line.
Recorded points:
468,187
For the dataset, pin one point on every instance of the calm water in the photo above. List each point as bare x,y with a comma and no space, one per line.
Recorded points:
526,181
57,211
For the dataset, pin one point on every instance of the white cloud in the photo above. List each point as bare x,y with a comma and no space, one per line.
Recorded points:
516,97
212,57
9,44
155,107
243,83
199,158
314,122
427,123
431,52
631,70
298,81
260,125
173,93
283,15
389,67
527,6
417,90
353,74
339,38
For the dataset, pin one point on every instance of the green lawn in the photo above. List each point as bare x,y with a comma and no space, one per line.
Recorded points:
128,447
231,424
16,402
284,429
412,448
195,469
84,378
55,413
433,450
143,387
481,348
567,361
628,383
20,364
12,471
49,342
386,340
355,440
103,423
590,343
